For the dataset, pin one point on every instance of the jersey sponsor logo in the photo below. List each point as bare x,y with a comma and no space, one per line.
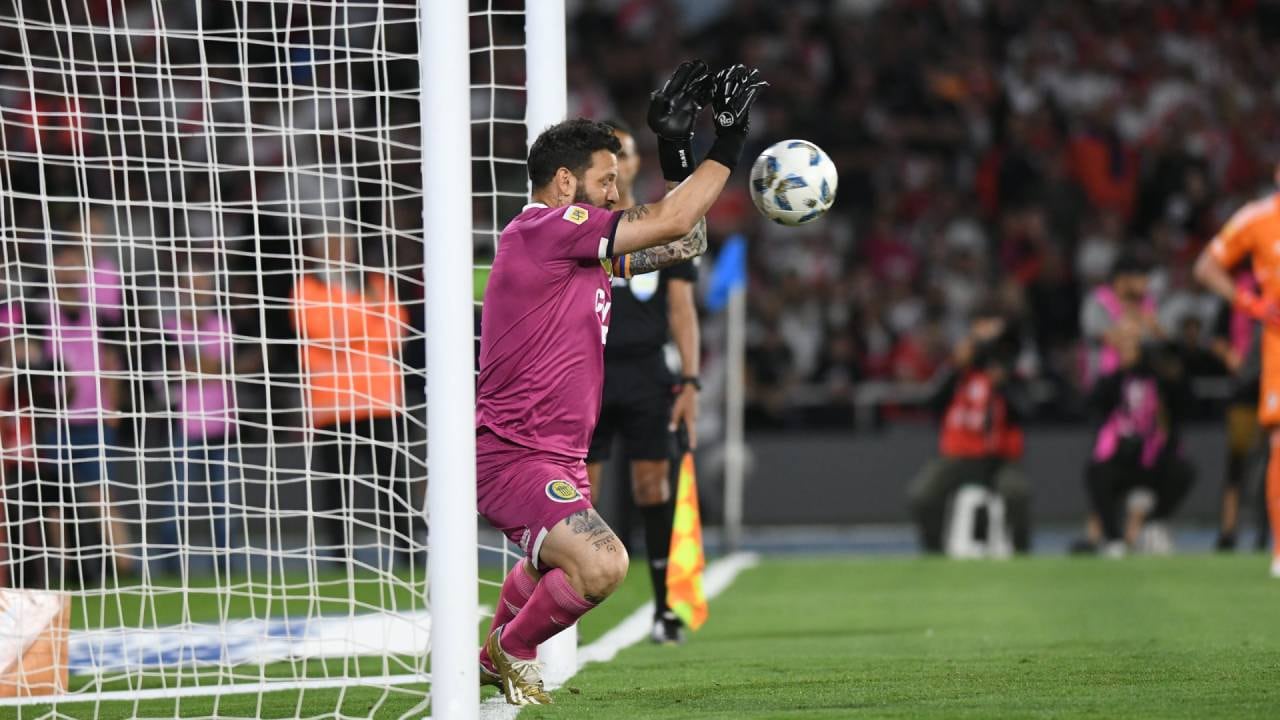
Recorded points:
645,286
562,491
575,214
603,306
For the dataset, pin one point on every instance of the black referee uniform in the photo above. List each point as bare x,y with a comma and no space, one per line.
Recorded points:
639,390
638,386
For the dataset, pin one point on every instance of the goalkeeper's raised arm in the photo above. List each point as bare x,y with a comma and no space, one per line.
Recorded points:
671,230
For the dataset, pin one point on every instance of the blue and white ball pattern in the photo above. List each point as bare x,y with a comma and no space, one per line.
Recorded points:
793,182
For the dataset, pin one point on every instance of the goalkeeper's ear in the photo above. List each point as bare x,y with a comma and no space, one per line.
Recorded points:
562,188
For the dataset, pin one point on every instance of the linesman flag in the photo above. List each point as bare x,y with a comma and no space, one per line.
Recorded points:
687,560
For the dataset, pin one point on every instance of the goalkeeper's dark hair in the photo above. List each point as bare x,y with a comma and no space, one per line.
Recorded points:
569,144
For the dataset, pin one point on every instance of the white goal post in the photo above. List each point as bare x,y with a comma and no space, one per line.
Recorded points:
451,444
239,248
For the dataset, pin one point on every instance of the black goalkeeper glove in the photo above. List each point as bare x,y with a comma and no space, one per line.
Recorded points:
673,110
733,91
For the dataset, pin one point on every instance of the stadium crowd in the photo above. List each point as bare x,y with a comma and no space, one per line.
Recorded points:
997,150
988,150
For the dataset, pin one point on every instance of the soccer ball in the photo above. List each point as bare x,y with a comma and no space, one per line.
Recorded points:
793,182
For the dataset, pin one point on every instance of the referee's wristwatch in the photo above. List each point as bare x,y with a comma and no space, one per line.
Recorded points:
690,380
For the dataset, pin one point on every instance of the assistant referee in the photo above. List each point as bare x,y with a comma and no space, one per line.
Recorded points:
643,401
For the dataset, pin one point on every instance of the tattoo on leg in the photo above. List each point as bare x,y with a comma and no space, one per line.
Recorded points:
586,522
589,523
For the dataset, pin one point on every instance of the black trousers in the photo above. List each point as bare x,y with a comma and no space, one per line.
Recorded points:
1110,482
355,458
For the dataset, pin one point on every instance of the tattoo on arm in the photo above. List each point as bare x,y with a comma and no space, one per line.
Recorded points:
673,253
632,214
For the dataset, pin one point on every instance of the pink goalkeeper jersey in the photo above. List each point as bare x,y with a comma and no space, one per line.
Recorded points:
545,320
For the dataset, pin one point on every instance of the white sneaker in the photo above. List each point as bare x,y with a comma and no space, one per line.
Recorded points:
1275,567
1114,550
1155,539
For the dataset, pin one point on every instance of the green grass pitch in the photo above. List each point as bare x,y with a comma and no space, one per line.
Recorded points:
1187,637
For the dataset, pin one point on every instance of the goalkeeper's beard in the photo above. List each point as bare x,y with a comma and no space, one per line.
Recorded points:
580,198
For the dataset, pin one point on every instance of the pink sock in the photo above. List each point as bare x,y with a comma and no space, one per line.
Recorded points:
554,606
516,590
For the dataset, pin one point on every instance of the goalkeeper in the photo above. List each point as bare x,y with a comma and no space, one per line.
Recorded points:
544,325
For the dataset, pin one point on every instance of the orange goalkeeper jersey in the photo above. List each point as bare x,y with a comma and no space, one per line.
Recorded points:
1255,231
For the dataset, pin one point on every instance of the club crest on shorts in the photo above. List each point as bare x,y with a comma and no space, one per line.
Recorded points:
575,214
562,491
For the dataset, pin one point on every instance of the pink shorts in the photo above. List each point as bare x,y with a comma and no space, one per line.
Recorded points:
524,492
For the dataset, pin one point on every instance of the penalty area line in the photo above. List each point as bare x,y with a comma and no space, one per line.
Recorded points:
715,579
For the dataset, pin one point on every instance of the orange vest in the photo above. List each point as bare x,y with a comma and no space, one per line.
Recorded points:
350,345
977,422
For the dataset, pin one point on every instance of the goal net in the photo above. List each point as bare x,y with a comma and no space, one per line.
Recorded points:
214,403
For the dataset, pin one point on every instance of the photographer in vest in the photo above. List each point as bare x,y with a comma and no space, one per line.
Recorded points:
980,441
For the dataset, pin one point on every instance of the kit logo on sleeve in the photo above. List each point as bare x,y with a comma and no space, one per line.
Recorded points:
576,215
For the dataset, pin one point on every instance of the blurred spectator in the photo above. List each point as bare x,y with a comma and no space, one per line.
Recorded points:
1187,301
1099,249
1123,307
772,373
26,535
83,447
980,440
1141,402
350,326
1193,353
199,353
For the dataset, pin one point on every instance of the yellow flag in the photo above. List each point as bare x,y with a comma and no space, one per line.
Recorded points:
686,560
